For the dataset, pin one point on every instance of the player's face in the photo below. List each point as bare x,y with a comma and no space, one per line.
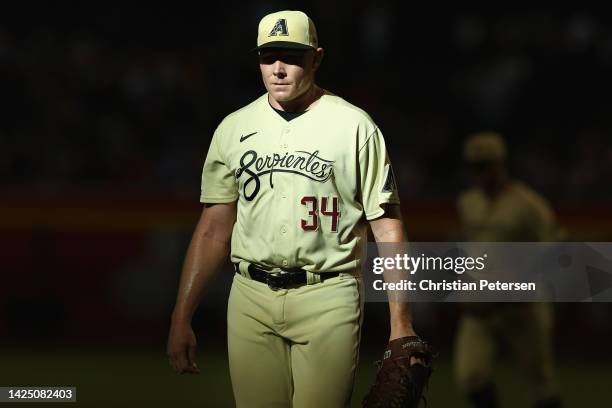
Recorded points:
486,174
287,74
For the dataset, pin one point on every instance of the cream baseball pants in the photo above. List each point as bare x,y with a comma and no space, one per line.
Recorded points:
294,347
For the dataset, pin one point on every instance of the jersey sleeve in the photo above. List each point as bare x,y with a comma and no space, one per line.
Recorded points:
462,208
377,181
541,224
218,182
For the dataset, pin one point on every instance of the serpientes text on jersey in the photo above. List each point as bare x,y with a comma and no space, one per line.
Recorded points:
301,163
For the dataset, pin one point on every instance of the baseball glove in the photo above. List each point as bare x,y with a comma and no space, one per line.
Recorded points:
399,384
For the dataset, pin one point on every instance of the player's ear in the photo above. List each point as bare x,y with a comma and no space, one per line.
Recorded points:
317,58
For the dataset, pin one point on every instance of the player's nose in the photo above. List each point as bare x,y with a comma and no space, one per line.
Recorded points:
279,69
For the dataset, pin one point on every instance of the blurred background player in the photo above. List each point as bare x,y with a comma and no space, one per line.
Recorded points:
500,209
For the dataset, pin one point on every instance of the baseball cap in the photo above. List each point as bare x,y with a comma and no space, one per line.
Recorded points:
286,29
484,146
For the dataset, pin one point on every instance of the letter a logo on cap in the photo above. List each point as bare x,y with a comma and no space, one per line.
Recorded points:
280,28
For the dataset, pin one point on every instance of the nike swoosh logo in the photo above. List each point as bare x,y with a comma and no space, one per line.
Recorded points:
245,137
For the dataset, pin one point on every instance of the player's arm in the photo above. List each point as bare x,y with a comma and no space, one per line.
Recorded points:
208,250
390,228
540,223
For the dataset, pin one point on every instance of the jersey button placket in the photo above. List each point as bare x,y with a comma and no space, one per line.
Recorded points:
284,133
293,204
284,181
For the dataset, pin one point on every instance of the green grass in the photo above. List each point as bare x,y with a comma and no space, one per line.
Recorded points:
143,378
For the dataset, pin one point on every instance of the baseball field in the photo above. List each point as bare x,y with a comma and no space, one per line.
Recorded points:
142,378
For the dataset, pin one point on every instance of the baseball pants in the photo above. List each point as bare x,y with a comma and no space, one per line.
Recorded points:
294,347
526,329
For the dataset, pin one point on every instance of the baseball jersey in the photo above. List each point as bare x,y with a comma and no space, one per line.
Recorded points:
517,214
305,187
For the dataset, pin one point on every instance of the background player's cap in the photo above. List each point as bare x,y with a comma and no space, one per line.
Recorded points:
287,29
484,146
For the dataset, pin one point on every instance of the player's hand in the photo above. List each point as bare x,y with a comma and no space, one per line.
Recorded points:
182,349
402,330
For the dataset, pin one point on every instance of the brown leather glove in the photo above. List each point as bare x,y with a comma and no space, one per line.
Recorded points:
399,384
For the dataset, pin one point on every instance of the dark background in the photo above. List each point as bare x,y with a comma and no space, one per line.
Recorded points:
106,119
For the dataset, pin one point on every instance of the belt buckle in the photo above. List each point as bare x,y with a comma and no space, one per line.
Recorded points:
273,280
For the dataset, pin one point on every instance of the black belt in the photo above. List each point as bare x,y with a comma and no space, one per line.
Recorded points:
285,279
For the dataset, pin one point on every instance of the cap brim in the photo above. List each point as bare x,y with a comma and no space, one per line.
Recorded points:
283,44
483,159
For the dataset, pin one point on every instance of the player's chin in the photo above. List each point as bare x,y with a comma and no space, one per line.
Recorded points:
283,95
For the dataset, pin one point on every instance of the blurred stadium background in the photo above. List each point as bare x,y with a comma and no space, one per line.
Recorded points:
106,120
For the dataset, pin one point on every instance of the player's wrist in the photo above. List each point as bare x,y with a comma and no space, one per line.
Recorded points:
401,330
180,318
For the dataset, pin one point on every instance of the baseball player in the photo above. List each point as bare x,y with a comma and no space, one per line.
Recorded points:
290,185
500,209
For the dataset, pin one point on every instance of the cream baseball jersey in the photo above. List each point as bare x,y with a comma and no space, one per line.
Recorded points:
305,187
518,214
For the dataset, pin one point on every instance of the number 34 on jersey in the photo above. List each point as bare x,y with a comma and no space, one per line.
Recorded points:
316,208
